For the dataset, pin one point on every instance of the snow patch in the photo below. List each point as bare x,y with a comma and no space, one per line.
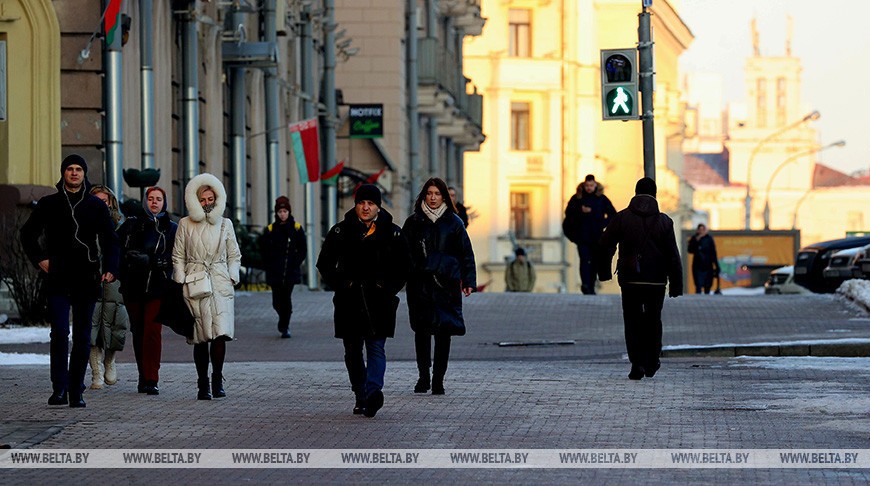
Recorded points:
7,359
856,290
859,365
24,335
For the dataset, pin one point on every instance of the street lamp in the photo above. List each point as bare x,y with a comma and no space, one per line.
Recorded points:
839,143
814,115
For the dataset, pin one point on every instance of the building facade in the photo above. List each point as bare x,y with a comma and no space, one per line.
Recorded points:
537,66
770,168
191,86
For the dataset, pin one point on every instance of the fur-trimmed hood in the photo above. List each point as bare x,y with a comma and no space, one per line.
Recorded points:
194,210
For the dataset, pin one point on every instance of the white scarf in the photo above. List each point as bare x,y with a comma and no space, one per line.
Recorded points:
433,214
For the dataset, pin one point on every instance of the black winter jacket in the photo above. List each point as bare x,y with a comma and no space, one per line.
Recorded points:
704,249
146,256
586,228
366,273
283,248
64,229
442,264
648,251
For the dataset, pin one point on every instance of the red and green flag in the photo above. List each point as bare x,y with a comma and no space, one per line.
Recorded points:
330,177
306,148
111,20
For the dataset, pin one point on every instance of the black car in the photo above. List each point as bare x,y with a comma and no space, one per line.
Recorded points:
812,260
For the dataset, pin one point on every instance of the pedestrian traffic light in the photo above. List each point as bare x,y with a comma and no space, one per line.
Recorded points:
618,84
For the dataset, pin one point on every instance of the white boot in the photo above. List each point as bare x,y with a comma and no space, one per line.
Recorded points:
96,360
111,374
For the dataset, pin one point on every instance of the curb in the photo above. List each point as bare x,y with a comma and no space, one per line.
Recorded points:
847,350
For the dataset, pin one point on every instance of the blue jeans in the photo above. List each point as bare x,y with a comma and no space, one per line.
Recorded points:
365,378
70,376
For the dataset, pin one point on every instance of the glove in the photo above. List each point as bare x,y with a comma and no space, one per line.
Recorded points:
674,292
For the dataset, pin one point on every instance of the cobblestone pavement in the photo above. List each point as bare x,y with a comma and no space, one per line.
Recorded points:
293,393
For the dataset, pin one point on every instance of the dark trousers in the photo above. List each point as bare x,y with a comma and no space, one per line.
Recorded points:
70,375
366,376
423,346
703,280
642,314
588,270
147,338
282,302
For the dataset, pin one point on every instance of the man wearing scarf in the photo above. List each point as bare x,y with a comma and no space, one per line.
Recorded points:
60,239
365,260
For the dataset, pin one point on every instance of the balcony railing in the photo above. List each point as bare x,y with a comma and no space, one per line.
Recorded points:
438,66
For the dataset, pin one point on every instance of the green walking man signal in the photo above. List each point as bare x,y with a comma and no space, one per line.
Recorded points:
619,84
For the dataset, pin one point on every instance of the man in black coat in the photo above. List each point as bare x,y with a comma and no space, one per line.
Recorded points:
705,264
587,214
283,248
61,239
365,259
648,261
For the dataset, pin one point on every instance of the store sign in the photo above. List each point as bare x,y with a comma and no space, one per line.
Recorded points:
366,121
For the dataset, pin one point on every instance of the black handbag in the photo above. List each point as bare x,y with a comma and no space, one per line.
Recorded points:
174,313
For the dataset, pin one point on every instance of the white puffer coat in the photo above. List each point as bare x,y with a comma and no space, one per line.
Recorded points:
201,245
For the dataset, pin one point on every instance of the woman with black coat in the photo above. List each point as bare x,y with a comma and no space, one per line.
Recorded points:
442,269
283,248
146,273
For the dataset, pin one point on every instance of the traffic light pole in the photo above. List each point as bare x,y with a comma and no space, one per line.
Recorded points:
645,50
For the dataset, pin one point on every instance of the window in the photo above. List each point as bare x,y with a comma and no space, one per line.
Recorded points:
520,135
520,31
761,102
521,215
780,101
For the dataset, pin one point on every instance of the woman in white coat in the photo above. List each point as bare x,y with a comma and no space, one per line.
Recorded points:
206,242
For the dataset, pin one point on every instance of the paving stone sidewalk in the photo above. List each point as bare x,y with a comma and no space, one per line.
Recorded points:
528,397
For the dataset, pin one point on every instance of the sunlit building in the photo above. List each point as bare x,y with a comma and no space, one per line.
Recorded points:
537,66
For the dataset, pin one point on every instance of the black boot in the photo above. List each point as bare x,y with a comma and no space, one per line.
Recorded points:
437,385
203,393
76,400
58,398
423,383
217,386
359,407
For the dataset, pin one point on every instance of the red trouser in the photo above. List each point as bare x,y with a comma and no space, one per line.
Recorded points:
147,342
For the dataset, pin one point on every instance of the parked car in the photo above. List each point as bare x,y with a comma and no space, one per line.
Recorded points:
781,281
843,266
812,260
864,268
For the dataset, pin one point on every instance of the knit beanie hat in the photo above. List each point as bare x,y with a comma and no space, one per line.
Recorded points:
368,192
282,203
645,186
74,159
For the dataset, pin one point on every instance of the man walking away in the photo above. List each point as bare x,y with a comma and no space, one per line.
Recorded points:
648,261
60,239
519,275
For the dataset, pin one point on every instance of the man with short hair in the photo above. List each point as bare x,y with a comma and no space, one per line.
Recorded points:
648,261
365,260
587,214
70,237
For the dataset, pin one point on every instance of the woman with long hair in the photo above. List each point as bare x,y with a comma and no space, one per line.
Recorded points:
110,322
442,270
206,259
146,269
